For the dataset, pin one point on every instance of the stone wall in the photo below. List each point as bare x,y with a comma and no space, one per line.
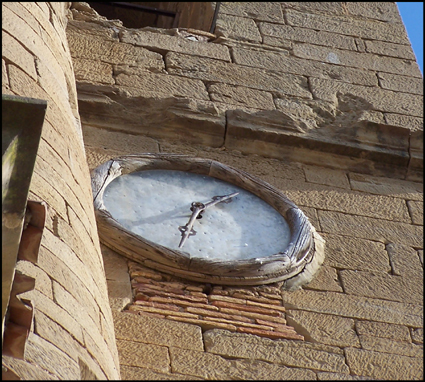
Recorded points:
324,102
72,335
321,100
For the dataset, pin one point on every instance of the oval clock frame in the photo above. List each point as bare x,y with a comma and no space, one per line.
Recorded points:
296,265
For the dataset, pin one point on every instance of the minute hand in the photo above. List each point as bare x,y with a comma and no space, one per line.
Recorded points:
197,208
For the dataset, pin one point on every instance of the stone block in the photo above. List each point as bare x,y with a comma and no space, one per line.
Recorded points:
416,151
383,286
389,49
266,11
354,253
384,366
281,352
316,7
378,99
324,328
48,357
230,73
99,350
324,197
404,260
144,355
369,228
156,85
307,35
211,366
386,186
102,139
407,121
356,59
417,335
175,118
383,330
42,279
142,374
350,306
16,54
76,27
55,334
241,96
26,370
120,294
347,25
157,331
89,315
237,28
325,376
401,83
325,279
93,71
384,11
282,62
100,49
385,345
326,176
416,210
166,43
55,312
116,266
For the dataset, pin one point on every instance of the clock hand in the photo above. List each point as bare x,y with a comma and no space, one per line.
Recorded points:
197,208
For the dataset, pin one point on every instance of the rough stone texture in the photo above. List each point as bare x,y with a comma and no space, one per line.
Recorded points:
400,83
232,74
383,286
211,366
324,376
404,260
47,356
323,328
267,11
356,59
365,308
412,123
326,279
241,96
144,355
340,248
386,186
417,335
326,176
156,331
385,345
391,32
416,210
379,99
38,65
282,352
389,49
280,31
383,330
163,43
282,62
383,366
141,374
370,228
238,28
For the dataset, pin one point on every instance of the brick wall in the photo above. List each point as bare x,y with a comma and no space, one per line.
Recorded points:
72,334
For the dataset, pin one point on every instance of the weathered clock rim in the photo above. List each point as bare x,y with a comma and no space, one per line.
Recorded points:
302,257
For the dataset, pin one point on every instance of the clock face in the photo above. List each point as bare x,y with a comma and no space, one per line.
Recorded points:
201,220
156,204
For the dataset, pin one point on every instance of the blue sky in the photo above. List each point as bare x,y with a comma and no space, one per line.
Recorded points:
413,18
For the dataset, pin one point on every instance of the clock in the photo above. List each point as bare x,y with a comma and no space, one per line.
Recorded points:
204,221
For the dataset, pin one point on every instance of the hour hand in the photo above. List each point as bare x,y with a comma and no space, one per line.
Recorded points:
196,209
